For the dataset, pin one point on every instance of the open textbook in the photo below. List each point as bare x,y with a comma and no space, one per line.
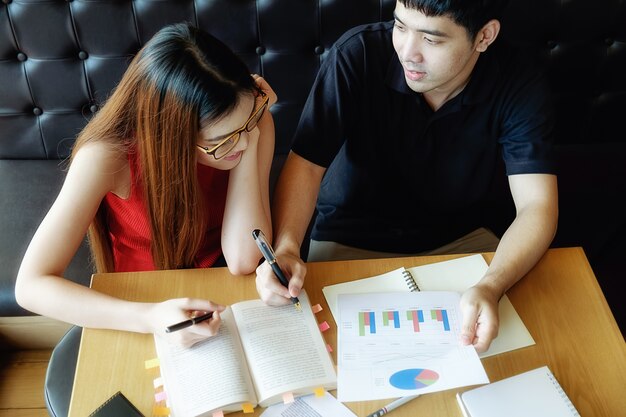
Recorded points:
259,354
453,275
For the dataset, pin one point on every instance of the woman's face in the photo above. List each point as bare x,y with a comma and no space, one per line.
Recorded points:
212,134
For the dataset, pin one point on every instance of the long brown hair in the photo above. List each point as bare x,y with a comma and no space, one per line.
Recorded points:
181,78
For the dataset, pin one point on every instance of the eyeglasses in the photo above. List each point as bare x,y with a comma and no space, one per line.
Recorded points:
225,146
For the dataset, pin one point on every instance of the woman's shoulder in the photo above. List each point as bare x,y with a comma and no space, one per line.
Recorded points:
103,163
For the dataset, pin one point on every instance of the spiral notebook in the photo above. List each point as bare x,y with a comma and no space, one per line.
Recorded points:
535,393
452,275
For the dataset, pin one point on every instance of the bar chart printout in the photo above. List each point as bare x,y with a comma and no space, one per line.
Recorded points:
397,344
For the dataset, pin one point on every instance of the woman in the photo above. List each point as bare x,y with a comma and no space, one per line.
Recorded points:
172,172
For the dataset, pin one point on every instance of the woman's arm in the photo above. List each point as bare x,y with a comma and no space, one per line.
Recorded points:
247,200
40,286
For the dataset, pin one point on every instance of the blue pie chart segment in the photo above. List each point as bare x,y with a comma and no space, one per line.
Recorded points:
411,379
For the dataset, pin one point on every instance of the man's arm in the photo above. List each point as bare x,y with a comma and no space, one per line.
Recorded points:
292,209
522,245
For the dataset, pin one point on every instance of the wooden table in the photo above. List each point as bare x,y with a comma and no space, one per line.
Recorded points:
559,301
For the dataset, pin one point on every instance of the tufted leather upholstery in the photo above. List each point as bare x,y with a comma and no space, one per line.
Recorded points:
60,59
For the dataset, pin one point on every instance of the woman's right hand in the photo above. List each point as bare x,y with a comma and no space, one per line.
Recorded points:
173,311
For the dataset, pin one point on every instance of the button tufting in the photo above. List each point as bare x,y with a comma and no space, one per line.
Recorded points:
37,111
319,50
83,55
93,108
21,56
260,50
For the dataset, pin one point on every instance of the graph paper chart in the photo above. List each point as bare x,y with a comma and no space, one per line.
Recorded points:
396,344
431,320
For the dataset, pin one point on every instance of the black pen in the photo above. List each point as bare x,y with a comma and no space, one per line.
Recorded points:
187,323
270,257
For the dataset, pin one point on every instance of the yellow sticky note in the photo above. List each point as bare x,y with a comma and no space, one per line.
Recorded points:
160,411
247,408
288,397
151,363
319,391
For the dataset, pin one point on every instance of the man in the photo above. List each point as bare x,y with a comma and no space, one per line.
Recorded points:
405,124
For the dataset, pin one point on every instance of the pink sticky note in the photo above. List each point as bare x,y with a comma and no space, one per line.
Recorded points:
160,396
324,326
329,348
218,414
288,397
316,308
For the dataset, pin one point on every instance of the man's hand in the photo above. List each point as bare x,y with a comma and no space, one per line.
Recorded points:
270,290
479,307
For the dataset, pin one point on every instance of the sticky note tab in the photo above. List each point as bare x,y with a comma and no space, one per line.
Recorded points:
329,348
319,391
288,398
316,308
219,413
158,382
324,326
160,396
152,363
160,411
247,408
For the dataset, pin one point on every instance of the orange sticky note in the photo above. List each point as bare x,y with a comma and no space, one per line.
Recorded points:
160,411
316,308
219,413
247,408
319,391
288,397
152,363
324,326
329,347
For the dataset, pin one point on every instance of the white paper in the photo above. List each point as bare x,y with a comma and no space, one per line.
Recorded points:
453,275
310,406
410,346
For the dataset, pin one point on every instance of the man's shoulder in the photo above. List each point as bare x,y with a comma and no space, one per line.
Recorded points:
368,35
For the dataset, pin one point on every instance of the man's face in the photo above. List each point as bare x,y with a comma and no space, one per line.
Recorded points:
435,52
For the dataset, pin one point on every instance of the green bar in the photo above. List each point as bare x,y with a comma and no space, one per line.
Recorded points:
361,324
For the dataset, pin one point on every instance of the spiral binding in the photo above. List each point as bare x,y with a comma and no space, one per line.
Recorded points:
563,395
410,281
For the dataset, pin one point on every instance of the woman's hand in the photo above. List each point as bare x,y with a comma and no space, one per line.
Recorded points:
174,311
265,87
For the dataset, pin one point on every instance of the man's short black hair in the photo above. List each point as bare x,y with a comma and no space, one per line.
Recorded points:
471,14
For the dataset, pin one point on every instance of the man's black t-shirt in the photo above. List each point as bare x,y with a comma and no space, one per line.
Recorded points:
402,178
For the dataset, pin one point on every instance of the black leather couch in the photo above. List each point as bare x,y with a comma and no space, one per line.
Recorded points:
59,60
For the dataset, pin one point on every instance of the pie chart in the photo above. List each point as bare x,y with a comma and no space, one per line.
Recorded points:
411,379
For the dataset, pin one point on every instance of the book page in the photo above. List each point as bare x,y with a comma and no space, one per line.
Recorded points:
387,282
285,349
211,375
460,274
401,344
